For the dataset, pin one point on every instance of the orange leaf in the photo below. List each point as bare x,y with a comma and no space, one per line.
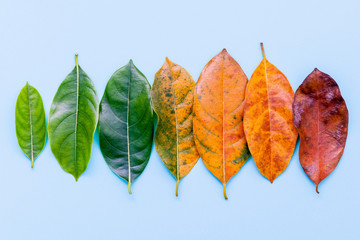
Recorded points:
218,121
172,97
268,120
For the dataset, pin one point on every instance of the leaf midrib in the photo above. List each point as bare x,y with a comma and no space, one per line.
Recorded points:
177,130
223,122
76,114
31,130
269,109
127,127
318,130
176,125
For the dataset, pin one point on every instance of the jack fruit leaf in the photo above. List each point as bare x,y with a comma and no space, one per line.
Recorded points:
30,122
126,123
218,122
72,121
321,118
268,120
172,96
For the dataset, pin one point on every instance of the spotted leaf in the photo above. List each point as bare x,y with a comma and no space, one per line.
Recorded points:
172,96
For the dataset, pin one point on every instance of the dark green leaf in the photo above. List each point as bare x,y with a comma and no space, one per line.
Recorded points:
126,123
30,122
72,121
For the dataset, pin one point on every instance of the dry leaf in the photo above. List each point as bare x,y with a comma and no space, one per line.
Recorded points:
218,121
268,121
172,95
321,117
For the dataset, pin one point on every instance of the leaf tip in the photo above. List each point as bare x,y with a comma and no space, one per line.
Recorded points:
131,61
76,59
76,178
224,50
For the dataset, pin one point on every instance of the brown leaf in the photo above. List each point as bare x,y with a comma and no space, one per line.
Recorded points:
321,118
268,120
218,121
172,97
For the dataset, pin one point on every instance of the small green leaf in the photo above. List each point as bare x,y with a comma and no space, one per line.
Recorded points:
126,123
72,121
30,122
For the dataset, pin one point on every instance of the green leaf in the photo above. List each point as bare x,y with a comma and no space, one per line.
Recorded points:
30,122
72,121
126,123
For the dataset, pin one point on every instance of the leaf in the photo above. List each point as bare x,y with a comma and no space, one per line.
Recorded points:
126,123
172,96
30,122
268,120
218,121
321,118
72,121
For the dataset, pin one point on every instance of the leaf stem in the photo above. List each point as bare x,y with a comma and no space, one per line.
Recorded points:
262,49
317,186
224,187
177,186
129,187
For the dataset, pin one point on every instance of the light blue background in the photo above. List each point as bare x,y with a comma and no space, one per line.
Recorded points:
38,40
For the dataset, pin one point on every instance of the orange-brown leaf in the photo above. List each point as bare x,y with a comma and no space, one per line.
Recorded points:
172,97
268,120
218,121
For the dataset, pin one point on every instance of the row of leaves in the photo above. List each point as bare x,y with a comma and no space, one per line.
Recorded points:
222,118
